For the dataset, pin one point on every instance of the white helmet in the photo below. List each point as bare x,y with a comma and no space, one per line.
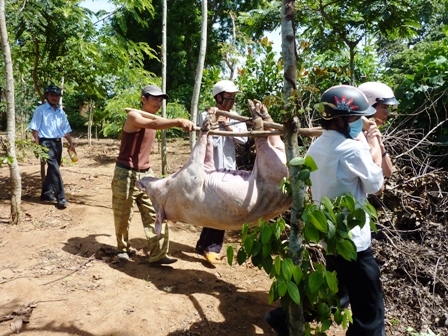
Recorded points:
377,92
225,86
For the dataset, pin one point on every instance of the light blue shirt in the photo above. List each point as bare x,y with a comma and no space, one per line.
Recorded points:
224,146
49,123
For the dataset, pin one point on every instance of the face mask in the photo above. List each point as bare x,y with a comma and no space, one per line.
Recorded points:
355,128
227,103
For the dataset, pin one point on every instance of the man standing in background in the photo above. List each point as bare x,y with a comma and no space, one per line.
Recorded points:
211,240
49,125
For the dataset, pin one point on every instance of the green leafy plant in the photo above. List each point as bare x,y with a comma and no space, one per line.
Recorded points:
412,332
310,283
23,148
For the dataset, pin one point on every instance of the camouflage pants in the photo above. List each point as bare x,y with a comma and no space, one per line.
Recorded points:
124,196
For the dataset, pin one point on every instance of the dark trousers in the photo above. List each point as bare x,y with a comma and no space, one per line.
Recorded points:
210,240
53,180
361,279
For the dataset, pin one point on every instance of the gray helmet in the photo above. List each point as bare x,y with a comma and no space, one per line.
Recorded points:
53,89
377,92
344,101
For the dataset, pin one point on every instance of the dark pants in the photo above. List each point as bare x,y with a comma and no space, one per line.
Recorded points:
53,180
331,265
360,279
210,240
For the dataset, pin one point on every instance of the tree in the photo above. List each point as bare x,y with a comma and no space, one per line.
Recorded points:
289,54
164,65
10,148
199,70
184,39
53,37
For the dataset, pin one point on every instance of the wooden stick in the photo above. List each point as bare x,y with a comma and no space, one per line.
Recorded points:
266,124
248,133
219,112
308,132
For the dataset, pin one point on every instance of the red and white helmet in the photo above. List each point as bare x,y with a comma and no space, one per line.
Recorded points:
377,92
344,101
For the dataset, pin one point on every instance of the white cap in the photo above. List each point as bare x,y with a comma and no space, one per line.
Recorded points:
225,86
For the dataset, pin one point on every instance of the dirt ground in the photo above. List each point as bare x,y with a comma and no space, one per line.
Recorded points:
56,266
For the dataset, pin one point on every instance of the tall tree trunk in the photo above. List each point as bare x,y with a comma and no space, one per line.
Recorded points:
352,64
164,61
199,69
16,181
90,122
289,54
61,102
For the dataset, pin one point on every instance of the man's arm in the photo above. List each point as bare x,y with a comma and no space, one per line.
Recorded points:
371,131
135,121
69,138
35,136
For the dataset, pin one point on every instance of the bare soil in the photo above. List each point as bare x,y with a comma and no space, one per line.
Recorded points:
59,274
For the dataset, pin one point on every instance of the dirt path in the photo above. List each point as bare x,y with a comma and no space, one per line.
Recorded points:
60,262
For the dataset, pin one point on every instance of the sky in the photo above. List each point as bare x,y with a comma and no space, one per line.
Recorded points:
96,5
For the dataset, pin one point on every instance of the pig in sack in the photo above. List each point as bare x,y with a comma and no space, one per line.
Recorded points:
201,195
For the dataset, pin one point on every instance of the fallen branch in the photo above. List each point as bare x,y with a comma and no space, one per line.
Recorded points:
91,258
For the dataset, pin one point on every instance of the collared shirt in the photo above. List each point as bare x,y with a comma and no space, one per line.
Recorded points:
345,166
49,123
224,146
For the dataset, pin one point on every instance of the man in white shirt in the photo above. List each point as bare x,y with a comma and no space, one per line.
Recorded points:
211,240
49,125
348,165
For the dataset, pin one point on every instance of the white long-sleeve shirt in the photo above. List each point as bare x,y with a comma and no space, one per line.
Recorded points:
224,146
345,166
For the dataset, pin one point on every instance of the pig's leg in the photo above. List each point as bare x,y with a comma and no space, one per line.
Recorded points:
270,161
258,109
203,149
209,164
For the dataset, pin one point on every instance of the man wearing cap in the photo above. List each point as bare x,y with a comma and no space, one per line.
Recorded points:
211,240
132,164
49,125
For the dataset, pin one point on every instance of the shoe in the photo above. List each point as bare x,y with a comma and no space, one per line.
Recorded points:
62,204
48,198
212,257
164,261
123,256
278,320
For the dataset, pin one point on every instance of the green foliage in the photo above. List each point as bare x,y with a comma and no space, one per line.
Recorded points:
76,120
306,166
423,73
261,78
310,283
115,115
6,160
184,24
331,221
210,77
412,332
176,110
23,149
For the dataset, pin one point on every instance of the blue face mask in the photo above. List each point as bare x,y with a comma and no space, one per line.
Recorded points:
355,128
